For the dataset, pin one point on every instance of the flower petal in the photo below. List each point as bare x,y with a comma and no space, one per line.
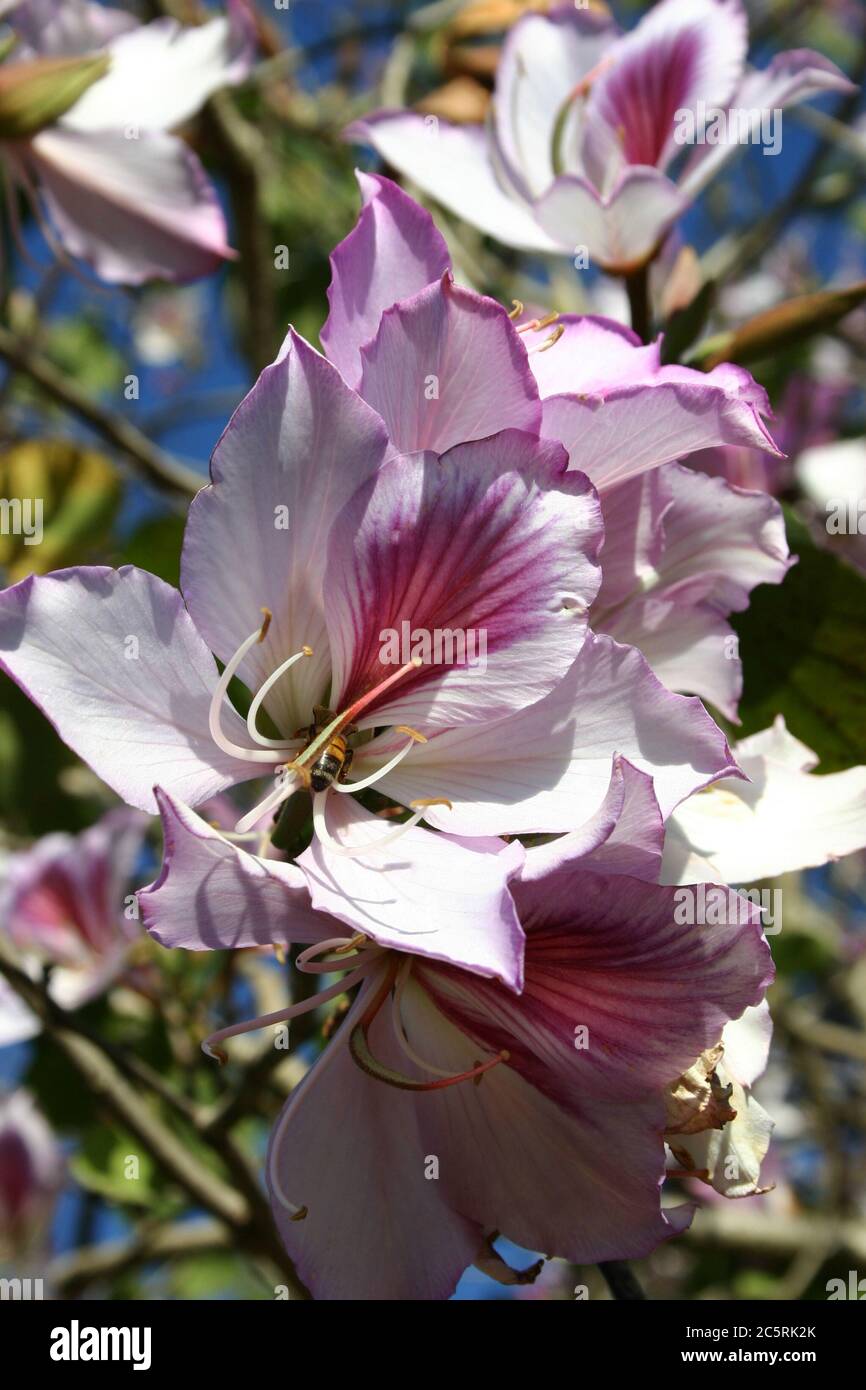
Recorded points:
543,60
393,251
781,820
111,657
593,355
547,768
162,73
295,450
446,366
135,209
581,1183
454,165
493,543
349,1149
67,30
621,229
212,896
620,994
434,896
791,78
624,431
682,52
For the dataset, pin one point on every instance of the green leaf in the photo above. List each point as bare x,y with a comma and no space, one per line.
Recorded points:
116,1166
803,647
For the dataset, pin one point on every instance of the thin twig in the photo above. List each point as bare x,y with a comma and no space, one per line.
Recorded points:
149,461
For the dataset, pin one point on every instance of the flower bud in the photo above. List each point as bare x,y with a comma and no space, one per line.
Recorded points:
36,94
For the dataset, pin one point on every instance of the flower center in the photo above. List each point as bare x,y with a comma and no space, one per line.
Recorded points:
321,761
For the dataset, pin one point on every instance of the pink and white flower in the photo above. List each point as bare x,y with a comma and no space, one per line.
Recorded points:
120,192
31,1171
66,903
437,482
583,136
532,1076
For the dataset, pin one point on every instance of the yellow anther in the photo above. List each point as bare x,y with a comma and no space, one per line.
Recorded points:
263,630
351,945
425,801
517,310
554,338
411,733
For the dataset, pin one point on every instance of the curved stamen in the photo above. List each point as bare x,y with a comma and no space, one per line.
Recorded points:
252,755
414,737
350,715
261,695
283,790
401,982
308,961
210,1045
358,851
359,1049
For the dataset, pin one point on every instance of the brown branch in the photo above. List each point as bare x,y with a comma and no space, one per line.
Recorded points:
148,461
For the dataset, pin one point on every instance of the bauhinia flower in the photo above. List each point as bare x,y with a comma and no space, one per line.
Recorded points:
87,102
31,1171
781,819
588,123
66,903
431,491
478,1084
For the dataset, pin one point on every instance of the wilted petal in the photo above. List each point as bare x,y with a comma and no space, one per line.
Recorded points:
446,366
393,251
111,657
494,542
135,209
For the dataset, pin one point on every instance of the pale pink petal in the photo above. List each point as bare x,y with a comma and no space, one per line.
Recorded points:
547,768
683,51
543,60
212,896
111,657
622,229
790,79
446,366
621,432
454,165
349,1149
429,895
74,27
392,252
162,73
592,355
295,450
136,209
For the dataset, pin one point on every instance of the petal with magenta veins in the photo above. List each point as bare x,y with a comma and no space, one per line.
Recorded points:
296,449
495,543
